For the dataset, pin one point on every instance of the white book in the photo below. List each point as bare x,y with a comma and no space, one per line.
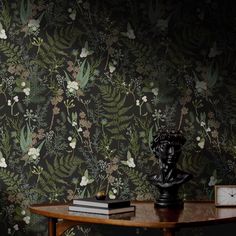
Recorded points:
97,210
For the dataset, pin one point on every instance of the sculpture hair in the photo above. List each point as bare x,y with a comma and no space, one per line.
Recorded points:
175,137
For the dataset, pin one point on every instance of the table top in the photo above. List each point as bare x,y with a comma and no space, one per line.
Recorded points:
146,215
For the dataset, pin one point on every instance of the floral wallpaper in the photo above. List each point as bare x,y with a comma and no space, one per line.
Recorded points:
84,86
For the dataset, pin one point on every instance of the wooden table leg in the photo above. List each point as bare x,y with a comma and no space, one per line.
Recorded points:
169,232
52,222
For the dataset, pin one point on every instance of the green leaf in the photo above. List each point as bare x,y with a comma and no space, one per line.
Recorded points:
83,75
25,11
150,138
25,139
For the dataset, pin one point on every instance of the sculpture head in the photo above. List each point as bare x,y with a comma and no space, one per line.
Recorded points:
167,146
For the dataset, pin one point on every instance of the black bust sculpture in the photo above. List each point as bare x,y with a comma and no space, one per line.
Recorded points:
167,146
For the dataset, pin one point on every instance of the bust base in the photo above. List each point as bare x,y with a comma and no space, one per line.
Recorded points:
169,198
169,204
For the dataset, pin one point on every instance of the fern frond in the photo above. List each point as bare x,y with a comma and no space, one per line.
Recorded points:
11,180
56,45
58,172
115,111
10,50
139,179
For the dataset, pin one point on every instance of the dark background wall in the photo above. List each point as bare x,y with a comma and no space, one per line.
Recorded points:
84,85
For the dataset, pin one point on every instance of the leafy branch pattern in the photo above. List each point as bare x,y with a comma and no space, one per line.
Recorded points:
84,86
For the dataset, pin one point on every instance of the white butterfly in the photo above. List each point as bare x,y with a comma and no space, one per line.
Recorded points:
2,32
85,51
130,161
111,68
2,161
214,51
201,144
130,32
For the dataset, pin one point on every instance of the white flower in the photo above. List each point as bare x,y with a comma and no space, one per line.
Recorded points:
137,103
114,190
33,24
79,129
144,98
26,91
23,84
111,68
111,195
198,138
9,102
16,227
3,162
26,219
208,129
23,212
69,138
74,123
72,86
155,91
73,144
202,123
16,99
33,153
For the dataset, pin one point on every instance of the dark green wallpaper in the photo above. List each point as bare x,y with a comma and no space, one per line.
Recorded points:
84,85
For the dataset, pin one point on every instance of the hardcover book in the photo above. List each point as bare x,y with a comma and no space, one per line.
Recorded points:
107,203
122,215
97,210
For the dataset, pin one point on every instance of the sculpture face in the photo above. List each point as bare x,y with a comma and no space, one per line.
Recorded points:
168,152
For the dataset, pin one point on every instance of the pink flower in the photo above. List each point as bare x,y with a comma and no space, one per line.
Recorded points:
86,134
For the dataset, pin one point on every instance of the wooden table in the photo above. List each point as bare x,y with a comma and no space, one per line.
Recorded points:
168,220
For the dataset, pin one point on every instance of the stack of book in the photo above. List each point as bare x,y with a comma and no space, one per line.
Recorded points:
107,206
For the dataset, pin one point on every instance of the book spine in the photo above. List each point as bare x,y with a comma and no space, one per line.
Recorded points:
119,205
102,205
100,210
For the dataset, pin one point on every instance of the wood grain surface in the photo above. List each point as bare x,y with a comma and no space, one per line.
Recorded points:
193,213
